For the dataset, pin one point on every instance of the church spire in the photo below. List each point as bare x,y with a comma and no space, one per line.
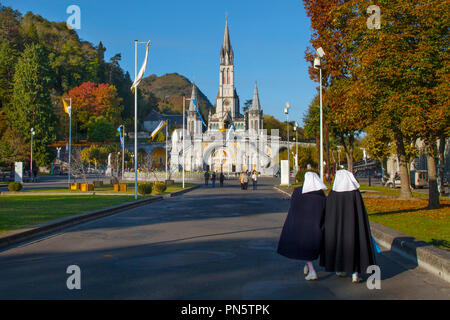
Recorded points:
193,97
226,54
255,103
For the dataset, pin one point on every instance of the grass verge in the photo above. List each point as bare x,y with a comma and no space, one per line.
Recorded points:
25,211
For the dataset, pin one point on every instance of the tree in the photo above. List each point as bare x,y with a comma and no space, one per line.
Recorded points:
99,129
8,59
247,105
13,147
402,71
92,100
31,106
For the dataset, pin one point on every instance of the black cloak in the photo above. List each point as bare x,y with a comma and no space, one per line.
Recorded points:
302,231
347,240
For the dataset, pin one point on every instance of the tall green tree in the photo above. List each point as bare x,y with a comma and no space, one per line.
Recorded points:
8,58
30,105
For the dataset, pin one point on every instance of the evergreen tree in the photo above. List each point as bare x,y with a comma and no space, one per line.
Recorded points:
30,106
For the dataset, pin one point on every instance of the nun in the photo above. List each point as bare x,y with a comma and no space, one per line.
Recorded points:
347,244
301,236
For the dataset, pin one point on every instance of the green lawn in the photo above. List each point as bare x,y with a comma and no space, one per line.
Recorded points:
411,217
23,211
17,212
109,188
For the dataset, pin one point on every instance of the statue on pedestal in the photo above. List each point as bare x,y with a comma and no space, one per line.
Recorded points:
109,168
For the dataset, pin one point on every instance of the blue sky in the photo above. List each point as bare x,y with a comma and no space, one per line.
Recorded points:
269,38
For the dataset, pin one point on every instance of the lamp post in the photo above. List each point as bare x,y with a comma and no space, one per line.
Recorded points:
184,151
69,110
123,147
31,159
296,147
317,65
167,133
286,112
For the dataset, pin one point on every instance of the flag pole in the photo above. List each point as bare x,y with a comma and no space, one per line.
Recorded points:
123,149
167,133
70,137
184,158
135,123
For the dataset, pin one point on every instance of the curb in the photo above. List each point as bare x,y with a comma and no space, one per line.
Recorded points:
425,255
178,193
50,227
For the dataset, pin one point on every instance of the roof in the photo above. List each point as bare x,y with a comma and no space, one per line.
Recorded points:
172,118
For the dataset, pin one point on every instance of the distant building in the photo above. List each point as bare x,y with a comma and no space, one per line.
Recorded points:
152,120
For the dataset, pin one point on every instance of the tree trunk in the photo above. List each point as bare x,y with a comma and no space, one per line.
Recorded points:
433,198
318,151
405,191
349,153
442,142
327,152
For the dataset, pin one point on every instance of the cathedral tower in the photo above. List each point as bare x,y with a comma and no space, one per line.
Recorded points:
227,99
255,114
194,124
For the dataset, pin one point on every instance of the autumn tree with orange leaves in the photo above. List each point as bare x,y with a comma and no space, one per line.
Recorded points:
343,118
90,101
402,74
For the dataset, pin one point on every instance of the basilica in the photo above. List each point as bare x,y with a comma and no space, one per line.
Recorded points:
232,142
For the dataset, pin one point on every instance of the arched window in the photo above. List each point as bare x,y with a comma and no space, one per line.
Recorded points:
223,76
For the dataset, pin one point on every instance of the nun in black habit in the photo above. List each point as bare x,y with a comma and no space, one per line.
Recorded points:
347,244
301,236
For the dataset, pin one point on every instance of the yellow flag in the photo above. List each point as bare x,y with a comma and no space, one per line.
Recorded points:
65,106
158,129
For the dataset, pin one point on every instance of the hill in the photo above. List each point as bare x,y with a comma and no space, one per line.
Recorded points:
169,90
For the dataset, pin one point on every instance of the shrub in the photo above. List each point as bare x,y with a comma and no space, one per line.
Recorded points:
300,176
14,186
160,187
144,188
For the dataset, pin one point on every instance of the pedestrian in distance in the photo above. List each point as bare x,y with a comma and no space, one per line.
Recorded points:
221,179
206,178
245,180
301,237
254,179
348,245
35,173
213,179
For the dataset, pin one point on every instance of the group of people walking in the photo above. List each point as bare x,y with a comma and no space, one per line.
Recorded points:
336,227
244,178
213,178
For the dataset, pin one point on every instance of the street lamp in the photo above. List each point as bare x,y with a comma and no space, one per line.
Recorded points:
31,162
317,65
286,112
184,151
123,147
296,146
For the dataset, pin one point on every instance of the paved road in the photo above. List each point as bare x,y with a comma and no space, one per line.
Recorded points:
207,244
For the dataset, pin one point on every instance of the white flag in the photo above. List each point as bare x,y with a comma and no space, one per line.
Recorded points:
142,71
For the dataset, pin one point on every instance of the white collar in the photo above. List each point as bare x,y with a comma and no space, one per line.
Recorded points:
345,181
312,183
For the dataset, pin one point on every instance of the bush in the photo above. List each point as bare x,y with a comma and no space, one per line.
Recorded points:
160,187
300,176
144,188
15,186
